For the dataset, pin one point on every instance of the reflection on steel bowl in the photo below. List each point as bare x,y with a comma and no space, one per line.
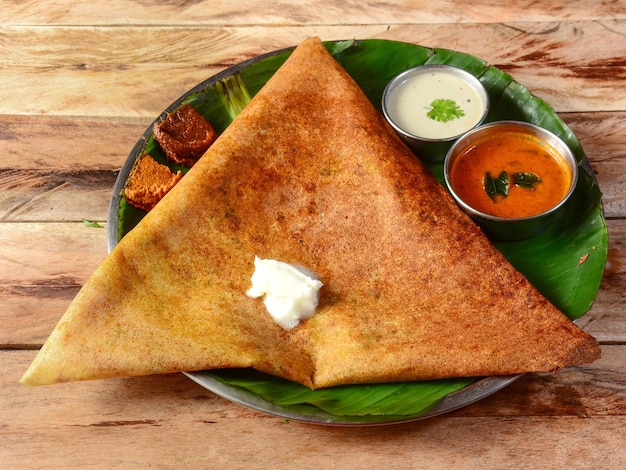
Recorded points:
511,177
430,106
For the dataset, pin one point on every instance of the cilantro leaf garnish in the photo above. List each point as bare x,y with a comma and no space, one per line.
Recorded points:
444,110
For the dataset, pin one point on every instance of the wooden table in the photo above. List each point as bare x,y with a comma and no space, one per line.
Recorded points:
79,82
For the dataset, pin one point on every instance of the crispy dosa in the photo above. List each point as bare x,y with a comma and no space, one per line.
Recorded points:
310,174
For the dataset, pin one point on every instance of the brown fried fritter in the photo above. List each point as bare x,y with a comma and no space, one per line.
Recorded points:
148,182
184,135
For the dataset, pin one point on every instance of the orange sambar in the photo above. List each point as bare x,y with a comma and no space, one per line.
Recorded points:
511,152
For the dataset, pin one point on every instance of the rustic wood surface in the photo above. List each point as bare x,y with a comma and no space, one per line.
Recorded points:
80,81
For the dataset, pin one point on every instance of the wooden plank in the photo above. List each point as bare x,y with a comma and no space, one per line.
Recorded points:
37,185
60,169
64,195
571,44
538,422
70,70
42,266
313,12
546,443
592,390
62,143
603,138
575,66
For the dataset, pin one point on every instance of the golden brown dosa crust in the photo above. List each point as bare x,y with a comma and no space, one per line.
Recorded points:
309,173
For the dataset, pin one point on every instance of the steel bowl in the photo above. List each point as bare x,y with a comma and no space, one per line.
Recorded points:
424,146
503,228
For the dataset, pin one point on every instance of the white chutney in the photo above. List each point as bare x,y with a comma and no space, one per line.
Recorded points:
409,102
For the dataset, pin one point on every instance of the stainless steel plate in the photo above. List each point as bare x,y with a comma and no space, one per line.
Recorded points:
470,394
310,414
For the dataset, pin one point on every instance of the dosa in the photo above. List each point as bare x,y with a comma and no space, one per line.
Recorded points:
310,174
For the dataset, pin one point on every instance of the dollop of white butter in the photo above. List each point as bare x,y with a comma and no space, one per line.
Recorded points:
289,294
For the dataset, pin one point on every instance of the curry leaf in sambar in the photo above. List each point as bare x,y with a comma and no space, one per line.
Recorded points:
525,180
496,186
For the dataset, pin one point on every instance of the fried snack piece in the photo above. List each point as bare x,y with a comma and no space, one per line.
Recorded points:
184,135
311,174
148,182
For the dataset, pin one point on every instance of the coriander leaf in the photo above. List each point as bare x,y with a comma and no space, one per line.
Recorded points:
525,180
494,186
89,223
444,110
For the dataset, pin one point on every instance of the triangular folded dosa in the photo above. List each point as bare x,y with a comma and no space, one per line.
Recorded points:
310,174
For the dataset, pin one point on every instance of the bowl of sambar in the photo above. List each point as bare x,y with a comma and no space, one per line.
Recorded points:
511,177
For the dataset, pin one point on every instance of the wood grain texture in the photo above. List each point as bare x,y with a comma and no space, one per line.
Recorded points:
53,143
167,421
42,267
56,168
39,276
296,12
80,82
128,71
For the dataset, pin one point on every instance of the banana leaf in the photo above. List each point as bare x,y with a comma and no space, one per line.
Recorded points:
565,262
392,400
